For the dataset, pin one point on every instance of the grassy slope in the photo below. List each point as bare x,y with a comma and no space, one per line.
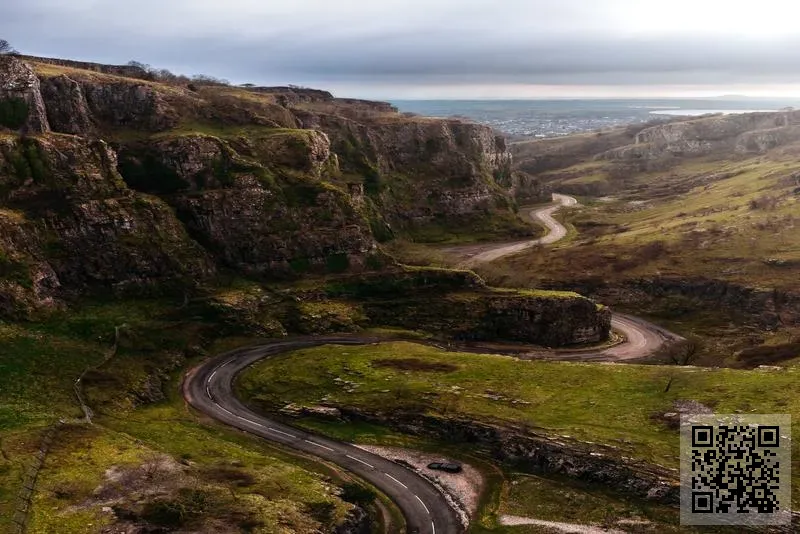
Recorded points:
39,363
608,404
724,228
733,221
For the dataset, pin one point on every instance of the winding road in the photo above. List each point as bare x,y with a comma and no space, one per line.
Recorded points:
556,232
209,389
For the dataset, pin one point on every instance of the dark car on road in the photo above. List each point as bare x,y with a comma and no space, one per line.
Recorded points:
448,467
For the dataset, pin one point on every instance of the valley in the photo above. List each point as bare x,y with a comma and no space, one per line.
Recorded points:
179,261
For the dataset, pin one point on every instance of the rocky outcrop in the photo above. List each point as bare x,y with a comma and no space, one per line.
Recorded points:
245,205
249,228
420,169
356,522
67,108
760,141
459,305
528,189
743,133
21,104
540,454
136,106
70,225
768,308
552,321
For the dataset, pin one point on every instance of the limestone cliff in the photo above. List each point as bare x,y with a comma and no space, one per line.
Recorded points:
421,169
68,222
132,185
21,104
743,133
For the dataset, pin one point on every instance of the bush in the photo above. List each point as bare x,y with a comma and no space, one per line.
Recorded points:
766,202
144,171
300,265
13,113
189,505
338,262
358,494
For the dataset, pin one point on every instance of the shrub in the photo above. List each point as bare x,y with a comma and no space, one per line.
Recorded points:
13,113
189,504
300,265
372,181
338,262
358,494
766,202
144,171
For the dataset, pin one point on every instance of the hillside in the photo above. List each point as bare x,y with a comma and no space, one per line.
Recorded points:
146,225
693,222
127,184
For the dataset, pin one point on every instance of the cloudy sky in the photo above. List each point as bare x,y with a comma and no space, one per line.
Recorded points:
436,48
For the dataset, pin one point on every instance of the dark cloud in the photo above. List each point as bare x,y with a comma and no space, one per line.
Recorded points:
413,42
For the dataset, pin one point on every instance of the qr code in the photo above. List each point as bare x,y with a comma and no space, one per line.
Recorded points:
735,469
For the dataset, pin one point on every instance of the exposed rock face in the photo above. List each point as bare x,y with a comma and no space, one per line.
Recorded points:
67,109
70,224
356,522
423,168
130,105
745,133
539,454
249,228
760,141
458,304
528,189
547,321
243,206
19,82
766,307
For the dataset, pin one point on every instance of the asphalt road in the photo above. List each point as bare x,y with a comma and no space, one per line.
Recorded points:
209,388
642,338
556,232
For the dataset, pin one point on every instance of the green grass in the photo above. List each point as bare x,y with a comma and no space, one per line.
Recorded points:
566,500
39,363
720,220
537,293
495,227
36,375
608,404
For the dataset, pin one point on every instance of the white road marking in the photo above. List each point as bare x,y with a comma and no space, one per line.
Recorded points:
360,461
218,405
433,528
217,368
423,504
281,432
208,392
318,445
390,476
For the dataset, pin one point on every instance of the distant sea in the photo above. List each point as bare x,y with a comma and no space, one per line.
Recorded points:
551,118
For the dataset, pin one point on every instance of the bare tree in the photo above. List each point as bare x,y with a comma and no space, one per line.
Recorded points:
6,48
139,65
